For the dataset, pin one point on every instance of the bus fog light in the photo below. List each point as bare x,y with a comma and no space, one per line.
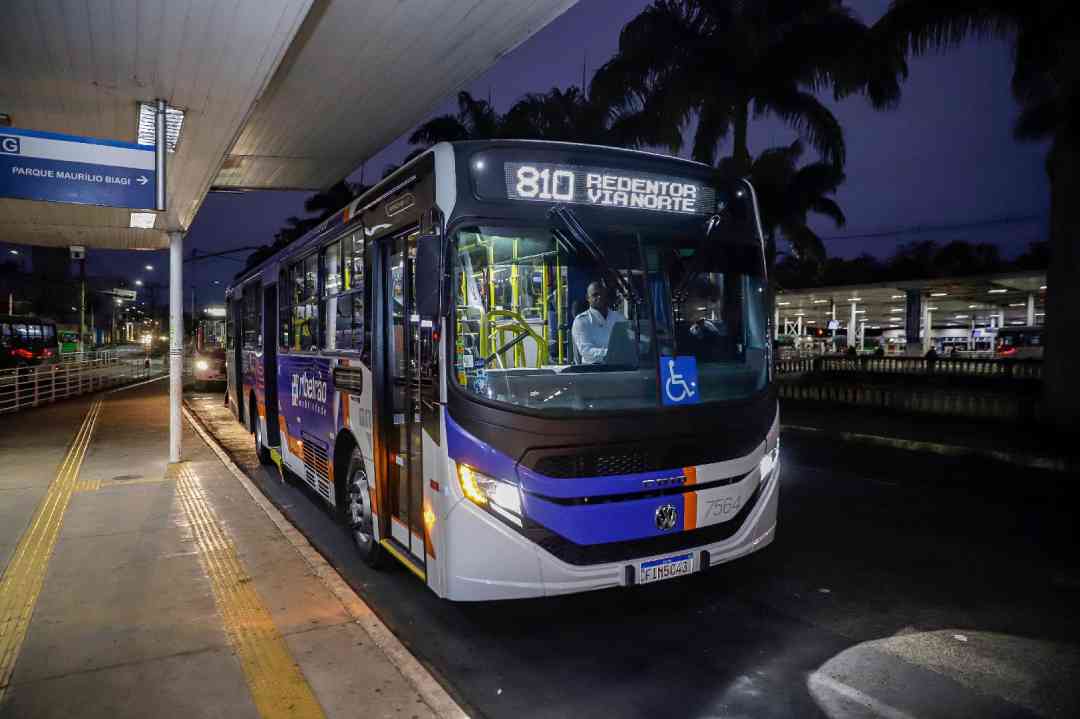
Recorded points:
500,497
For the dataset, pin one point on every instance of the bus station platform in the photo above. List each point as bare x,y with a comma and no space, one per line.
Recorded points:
135,588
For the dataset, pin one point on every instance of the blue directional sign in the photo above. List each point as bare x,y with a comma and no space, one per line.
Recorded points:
80,170
680,380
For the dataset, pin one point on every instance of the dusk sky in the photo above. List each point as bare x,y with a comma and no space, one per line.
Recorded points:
945,156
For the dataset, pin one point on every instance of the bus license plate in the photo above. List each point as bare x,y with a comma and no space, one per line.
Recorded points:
656,570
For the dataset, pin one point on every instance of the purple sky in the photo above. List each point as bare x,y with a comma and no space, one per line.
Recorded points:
946,156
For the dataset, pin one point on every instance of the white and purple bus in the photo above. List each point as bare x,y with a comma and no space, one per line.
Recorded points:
425,361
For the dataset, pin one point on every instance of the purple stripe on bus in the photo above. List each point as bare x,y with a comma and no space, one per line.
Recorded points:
601,523
464,447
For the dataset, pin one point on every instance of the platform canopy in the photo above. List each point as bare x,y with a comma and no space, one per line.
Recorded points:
276,94
956,300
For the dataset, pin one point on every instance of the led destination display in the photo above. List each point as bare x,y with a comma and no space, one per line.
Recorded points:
605,187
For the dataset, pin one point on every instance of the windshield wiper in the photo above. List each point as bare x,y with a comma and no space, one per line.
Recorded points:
697,264
572,236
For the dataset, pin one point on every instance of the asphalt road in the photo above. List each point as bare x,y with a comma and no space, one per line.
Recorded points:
899,585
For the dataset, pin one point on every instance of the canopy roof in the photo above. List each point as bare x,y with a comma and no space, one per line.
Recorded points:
277,94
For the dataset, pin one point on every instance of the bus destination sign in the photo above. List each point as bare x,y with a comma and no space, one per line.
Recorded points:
605,187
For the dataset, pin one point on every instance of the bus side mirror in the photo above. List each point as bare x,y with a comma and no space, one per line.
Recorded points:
428,272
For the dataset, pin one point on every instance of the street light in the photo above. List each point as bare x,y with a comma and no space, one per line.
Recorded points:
150,268
138,283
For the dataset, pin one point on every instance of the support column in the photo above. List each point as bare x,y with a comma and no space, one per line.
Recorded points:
852,329
176,341
928,326
1031,310
82,306
912,323
776,323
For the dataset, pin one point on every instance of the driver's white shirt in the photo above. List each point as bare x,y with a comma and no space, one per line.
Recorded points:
591,332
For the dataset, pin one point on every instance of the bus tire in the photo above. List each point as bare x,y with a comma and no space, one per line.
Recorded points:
356,513
261,450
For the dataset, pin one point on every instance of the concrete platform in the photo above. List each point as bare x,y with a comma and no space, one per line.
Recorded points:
134,588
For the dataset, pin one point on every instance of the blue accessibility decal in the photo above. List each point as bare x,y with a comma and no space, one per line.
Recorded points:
679,378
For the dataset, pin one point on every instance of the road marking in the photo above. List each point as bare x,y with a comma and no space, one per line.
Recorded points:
277,685
433,693
819,683
25,574
88,485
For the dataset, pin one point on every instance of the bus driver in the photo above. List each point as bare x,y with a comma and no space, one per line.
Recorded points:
592,328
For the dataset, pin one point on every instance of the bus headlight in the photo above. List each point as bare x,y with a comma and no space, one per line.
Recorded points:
500,497
202,365
768,462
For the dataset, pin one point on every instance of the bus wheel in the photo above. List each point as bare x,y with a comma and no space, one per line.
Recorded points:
357,513
261,450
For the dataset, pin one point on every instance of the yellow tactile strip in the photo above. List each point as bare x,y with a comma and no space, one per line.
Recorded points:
88,485
25,574
276,682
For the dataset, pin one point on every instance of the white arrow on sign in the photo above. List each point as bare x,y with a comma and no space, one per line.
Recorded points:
141,179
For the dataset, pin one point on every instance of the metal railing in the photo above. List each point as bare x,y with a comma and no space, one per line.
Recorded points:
942,366
980,405
22,387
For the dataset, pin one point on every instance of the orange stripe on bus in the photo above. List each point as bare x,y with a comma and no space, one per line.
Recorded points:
690,500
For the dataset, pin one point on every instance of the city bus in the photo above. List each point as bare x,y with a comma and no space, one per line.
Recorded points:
27,340
425,362
1020,342
208,351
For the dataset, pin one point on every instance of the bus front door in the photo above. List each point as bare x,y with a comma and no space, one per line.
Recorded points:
402,416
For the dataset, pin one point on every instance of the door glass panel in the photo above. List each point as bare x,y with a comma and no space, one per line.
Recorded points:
406,476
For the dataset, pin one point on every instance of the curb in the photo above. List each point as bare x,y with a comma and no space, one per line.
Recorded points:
1020,459
434,695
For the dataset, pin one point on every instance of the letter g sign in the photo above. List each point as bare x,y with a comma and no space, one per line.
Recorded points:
9,145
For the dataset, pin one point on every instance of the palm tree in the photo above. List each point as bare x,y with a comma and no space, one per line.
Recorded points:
787,194
570,115
475,120
711,65
1046,83
321,205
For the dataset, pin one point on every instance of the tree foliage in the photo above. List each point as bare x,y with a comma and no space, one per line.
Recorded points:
1046,55
787,194
319,206
912,261
712,65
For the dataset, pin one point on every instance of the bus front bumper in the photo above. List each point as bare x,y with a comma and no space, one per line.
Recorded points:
493,561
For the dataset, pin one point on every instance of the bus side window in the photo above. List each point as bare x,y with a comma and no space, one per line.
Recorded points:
346,327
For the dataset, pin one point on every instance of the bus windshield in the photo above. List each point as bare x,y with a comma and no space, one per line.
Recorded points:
543,323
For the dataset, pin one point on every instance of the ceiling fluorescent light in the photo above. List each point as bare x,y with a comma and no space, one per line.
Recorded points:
143,220
174,122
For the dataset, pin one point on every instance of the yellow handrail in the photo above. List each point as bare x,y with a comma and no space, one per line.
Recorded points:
518,324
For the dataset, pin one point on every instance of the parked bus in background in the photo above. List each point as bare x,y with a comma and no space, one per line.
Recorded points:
1020,342
208,352
425,361
27,340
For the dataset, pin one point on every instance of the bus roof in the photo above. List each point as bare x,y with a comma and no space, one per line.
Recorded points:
350,212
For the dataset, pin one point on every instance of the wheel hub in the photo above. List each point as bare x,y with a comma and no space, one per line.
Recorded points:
360,508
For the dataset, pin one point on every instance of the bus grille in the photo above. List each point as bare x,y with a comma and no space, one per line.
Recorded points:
629,461
317,467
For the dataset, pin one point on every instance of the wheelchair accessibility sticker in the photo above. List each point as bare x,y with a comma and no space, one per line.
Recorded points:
679,376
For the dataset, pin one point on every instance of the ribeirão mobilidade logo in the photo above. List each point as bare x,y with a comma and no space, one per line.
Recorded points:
309,392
